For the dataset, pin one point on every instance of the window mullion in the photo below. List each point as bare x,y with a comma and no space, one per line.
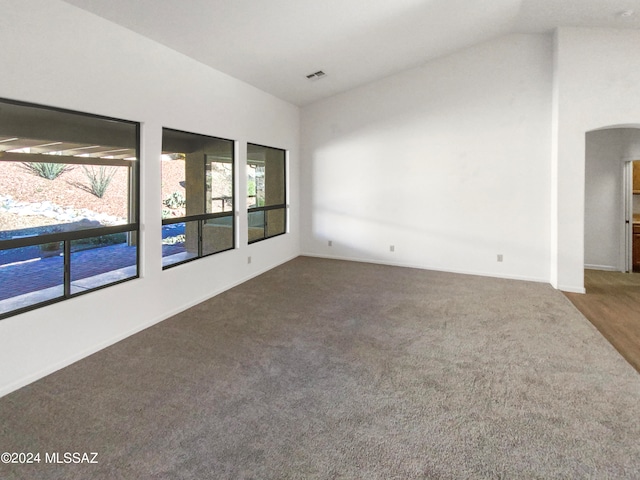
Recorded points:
66,255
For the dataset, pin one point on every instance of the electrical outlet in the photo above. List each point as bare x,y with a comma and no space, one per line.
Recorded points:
392,248
499,257
249,259
330,243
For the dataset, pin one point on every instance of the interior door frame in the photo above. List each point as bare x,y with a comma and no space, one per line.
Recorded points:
627,190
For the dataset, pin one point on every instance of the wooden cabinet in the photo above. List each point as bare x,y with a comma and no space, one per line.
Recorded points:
636,247
636,177
636,226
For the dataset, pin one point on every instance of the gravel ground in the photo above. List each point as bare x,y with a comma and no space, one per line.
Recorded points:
11,221
70,190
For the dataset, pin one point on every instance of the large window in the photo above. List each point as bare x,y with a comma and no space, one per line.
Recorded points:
266,192
197,196
68,204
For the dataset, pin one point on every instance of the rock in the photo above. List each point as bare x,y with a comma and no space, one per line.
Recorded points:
51,210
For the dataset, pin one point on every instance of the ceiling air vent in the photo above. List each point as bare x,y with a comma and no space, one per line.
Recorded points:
316,75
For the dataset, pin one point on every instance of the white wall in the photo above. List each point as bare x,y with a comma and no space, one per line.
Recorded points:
631,140
603,199
450,163
55,54
597,81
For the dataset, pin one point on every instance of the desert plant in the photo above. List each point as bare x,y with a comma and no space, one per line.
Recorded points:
100,180
98,242
175,200
51,249
251,187
50,171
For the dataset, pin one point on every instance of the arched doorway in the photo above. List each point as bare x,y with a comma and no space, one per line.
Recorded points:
609,203
612,297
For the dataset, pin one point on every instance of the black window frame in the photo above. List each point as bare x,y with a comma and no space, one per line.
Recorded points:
203,217
65,238
280,206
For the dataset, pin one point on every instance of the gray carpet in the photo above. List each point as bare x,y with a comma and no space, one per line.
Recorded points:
329,369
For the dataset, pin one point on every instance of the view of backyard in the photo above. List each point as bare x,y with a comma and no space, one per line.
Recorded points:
49,210
28,200
31,205
68,204
194,185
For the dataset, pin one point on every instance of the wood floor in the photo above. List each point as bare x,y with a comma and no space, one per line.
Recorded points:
612,304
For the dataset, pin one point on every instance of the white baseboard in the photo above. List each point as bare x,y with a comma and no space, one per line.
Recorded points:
568,289
605,268
428,267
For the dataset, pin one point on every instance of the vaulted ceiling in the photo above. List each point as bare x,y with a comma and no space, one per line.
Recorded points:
275,44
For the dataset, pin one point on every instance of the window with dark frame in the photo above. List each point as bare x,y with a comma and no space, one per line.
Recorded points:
266,192
197,196
69,204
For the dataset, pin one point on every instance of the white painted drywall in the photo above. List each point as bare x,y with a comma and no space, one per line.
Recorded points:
631,140
597,82
603,199
450,163
58,55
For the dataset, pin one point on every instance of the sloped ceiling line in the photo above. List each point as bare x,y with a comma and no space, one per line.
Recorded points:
274,44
